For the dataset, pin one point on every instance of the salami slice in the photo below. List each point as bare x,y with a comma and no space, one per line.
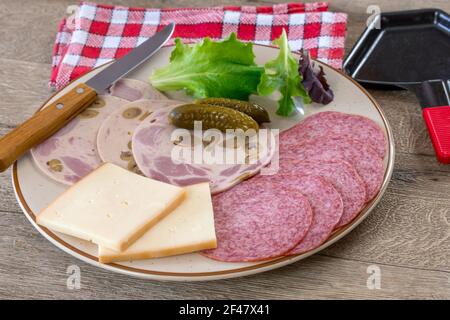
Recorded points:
338,124
340,174
71,153
326,204
325,201
328,148
256,220
154,149
132,90
114,136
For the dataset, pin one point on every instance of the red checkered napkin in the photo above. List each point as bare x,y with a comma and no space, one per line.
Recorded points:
100,33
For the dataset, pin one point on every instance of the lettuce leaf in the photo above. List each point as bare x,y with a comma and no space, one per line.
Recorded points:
282,74
210,69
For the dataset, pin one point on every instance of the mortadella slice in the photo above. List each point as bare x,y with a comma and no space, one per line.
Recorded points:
132,90
114,136
71,153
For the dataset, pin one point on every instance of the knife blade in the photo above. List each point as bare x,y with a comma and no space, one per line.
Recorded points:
104,79
53,117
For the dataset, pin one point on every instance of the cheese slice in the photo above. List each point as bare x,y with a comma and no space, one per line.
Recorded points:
189,228
111,207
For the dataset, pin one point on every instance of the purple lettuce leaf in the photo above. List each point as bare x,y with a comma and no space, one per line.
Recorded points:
314,81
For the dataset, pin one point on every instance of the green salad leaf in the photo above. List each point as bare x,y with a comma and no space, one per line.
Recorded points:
282,74
210,69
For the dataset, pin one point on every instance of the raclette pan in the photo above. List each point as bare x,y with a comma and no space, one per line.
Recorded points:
410,50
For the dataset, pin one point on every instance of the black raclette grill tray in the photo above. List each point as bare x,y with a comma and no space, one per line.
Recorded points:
410,50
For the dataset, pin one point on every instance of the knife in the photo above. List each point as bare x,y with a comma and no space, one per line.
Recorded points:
49,120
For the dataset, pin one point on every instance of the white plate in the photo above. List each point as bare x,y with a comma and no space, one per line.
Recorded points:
34,190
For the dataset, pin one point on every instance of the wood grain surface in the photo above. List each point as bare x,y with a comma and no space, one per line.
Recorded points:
407,237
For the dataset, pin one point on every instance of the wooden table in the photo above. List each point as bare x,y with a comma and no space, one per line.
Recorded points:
407,236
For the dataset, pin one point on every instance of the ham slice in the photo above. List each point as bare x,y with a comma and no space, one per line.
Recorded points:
160,157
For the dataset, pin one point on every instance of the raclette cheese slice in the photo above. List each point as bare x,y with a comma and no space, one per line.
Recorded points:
189,228
111,207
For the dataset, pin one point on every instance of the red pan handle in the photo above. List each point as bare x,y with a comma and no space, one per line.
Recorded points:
437,120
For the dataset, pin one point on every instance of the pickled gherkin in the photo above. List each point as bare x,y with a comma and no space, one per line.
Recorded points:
258,113
212,117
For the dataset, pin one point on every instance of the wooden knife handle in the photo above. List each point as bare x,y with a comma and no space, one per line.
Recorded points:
44,124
